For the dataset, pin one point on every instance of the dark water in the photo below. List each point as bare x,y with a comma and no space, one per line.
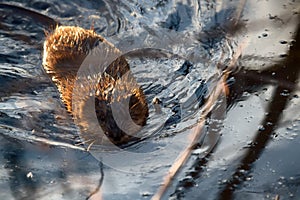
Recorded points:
178,51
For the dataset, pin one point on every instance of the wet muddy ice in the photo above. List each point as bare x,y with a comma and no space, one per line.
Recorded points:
225,72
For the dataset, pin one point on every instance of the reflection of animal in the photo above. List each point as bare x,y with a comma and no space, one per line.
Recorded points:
64,51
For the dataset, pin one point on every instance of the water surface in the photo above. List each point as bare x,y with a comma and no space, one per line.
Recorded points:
177,51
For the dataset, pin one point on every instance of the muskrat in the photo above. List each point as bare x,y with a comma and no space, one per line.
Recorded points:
65,49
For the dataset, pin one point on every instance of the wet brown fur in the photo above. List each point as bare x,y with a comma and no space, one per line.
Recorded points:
64,51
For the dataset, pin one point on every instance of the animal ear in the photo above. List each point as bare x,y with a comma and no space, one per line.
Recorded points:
50,30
